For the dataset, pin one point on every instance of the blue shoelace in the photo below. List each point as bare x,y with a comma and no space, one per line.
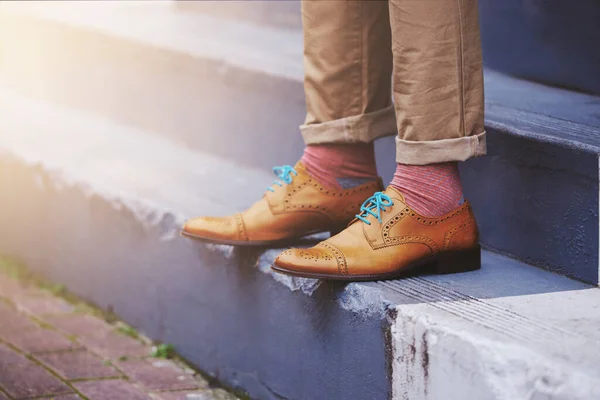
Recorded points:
285,174
374,205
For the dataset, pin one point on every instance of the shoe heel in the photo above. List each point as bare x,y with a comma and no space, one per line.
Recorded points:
452,262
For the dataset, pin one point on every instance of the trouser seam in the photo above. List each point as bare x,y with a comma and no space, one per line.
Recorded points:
360,55
461,74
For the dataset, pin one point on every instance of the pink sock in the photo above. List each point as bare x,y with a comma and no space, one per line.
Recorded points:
431,190
341,165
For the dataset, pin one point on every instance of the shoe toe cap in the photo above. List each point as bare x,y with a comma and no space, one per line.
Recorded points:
211,227
315,260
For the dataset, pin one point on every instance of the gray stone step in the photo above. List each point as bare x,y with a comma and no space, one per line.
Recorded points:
281,14
234,89
217,85
544,41
96,206
536,193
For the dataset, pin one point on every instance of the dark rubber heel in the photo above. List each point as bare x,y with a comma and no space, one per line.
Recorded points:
452,262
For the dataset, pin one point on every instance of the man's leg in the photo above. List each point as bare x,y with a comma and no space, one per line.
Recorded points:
438,94
348,63
418,223
348,67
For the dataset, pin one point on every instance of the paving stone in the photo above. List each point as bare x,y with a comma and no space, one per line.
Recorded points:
67,397
22,378
78,364
11,288
160,374
216,394
114,345
78,324
111,390
39,340
44,304
12,320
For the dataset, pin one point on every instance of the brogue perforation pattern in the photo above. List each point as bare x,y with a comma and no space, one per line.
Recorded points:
341,260
240,226
448,235
436,221
392,221
359,189
392,241
307,255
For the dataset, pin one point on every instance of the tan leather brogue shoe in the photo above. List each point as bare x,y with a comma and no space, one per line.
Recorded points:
295,206
390,240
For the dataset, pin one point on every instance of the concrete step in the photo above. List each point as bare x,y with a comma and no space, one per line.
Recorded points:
536,193
234,89
543,41
222,86
97,206
281,14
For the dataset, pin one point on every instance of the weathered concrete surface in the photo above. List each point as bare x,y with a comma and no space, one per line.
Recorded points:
234,90
537,202
512,335
96,206
437,361
146,65
282,14
107,203
540,177
543,41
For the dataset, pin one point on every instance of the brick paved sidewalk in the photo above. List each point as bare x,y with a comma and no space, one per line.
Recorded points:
52,349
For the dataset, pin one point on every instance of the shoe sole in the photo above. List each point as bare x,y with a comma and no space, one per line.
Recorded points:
287,242
449,262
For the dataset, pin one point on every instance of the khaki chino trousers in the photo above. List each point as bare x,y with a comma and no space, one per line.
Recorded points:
425,54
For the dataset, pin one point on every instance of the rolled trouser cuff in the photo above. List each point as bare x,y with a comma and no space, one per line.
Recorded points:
362,128
438,151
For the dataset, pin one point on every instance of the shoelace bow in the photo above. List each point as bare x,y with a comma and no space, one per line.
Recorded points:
284,173
374,205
